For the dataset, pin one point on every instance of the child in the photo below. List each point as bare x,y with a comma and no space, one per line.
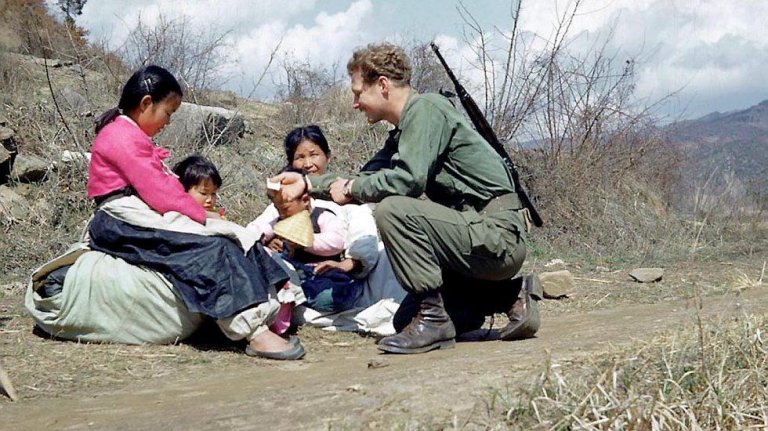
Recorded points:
330,291
329,231
124,160
210,273
201,180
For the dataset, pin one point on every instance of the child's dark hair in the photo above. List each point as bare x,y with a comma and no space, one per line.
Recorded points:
153,81
195,169
290,168
299,134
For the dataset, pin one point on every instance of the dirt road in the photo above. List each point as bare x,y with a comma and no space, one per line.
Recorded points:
340,389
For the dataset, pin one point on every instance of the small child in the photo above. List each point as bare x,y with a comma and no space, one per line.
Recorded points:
330,291
201,180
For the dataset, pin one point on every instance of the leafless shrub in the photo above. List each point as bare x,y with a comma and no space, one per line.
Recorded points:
593,160
197,56
427,75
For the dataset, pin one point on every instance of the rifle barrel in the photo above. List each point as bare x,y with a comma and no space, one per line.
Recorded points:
486,131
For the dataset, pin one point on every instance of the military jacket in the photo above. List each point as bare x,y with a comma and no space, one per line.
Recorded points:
433,151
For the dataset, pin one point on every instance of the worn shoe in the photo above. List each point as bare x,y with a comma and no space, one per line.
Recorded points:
430,329
295,352
524,319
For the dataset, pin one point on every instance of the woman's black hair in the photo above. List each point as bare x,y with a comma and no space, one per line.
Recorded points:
299,134
194,170
151,80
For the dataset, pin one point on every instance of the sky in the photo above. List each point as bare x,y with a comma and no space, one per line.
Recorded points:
711,55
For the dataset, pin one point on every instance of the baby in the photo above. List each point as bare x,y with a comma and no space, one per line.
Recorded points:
201,180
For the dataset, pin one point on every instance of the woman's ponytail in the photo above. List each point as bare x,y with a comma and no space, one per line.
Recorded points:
106,118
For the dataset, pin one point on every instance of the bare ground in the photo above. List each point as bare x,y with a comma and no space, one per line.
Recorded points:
344,382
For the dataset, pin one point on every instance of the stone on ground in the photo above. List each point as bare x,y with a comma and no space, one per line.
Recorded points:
29,169
12,205
557,284
206,124
647,275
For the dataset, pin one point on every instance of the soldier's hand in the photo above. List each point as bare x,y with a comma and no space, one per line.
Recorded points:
291,185
338,192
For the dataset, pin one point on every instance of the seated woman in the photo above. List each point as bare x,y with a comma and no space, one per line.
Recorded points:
160,260
307,149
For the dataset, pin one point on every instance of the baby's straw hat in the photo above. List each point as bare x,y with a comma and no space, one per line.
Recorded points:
296,229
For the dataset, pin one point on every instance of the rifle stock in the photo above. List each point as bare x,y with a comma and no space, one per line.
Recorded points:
486,131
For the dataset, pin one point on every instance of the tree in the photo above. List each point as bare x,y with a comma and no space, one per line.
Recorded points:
71,9
197,56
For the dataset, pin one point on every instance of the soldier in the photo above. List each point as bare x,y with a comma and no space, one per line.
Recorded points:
466,241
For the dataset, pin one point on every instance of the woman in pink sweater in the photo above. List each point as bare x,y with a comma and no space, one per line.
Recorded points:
211,273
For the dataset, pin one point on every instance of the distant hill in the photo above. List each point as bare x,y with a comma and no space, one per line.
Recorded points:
731,143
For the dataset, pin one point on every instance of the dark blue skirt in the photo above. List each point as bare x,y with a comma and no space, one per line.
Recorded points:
212,274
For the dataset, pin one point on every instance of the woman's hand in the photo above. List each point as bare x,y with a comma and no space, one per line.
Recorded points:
292,185
345,266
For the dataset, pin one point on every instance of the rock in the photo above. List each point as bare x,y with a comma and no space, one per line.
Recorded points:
52,62
377,363
12,206
8,149
554,262
5,156
557,284
75,102
602,269
77,69
8,138
647,275
29,169
71,157
206,124
356,388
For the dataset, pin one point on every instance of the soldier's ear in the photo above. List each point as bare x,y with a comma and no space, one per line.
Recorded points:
383,83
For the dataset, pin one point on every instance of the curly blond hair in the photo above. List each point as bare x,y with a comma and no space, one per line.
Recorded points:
383,59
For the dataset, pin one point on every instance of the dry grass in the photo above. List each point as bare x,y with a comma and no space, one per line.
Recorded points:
711,377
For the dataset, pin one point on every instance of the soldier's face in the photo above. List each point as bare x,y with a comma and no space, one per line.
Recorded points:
368,98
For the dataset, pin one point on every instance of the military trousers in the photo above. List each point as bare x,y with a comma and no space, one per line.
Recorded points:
434,247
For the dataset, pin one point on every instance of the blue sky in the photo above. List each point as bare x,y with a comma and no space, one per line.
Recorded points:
712,53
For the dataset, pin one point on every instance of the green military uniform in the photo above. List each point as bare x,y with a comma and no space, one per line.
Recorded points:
471,228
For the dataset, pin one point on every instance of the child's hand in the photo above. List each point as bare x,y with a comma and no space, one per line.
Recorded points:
345,266
276,244
212,214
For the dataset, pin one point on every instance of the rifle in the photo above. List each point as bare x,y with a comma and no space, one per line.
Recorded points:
485,130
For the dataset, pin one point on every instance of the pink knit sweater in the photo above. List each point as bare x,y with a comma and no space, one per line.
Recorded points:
124,155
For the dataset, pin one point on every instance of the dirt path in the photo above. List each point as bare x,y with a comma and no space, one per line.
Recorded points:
340,389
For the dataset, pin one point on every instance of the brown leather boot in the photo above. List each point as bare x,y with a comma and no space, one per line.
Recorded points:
524,320
464,316
430,329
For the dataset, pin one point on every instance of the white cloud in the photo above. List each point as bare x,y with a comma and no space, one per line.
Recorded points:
715,50
330,39
708,50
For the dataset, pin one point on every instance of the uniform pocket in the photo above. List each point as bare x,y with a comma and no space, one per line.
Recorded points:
486,239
